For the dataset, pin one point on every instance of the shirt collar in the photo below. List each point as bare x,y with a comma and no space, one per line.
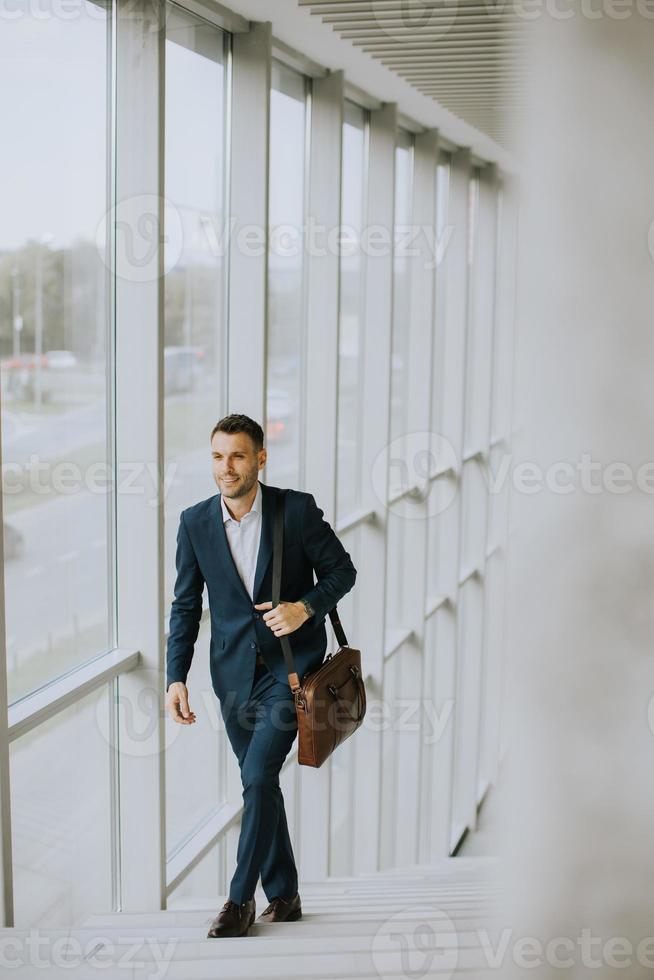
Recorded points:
256,505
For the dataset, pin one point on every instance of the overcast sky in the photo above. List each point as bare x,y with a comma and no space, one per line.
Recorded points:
54,127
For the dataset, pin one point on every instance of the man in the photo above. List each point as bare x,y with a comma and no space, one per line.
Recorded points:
226,542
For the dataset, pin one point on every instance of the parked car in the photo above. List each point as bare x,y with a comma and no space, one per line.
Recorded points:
181,368
279,414
60,359
20,376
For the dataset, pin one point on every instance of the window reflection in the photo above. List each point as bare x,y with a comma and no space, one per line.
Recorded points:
440,319
199,753
350,354
400,479
399,476
61,777
55,331
473,208
343,764
285,275
194,352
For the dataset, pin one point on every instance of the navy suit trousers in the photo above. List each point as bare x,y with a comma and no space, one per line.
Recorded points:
261,733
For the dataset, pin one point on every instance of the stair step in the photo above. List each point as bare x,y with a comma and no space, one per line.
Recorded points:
353,971
241,959
308,927
457,869
333,907
173,922
429,921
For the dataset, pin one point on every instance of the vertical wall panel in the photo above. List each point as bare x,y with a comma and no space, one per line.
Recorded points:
415,512
467,708
139,394
248,272
437,735
503,422
452,424
323,288
248,264
457,303
481,315
321,387
376,399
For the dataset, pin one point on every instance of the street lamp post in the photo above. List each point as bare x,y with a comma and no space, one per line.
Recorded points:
17,319
46,238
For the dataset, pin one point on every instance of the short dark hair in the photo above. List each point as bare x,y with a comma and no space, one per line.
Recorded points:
240,423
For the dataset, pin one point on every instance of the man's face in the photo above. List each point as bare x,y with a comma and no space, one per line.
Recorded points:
235,462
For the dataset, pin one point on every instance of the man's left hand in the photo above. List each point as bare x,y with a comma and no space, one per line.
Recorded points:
284,618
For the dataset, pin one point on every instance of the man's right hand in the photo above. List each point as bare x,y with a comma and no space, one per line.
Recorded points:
177,704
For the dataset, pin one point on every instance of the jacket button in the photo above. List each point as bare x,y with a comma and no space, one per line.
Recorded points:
253,645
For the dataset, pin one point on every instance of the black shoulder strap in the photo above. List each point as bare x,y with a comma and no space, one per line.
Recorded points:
278,546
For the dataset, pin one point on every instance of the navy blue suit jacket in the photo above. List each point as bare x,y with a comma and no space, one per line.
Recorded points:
237,628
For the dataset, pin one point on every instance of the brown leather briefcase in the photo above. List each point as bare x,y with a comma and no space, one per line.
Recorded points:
330,702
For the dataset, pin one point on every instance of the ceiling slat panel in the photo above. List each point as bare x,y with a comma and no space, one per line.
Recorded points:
465,54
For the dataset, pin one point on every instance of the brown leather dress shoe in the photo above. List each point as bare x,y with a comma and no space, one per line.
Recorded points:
233,919
282,910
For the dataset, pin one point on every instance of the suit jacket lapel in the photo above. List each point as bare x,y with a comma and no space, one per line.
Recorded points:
219,545
268,498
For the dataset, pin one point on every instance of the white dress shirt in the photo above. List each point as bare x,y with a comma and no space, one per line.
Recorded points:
243,538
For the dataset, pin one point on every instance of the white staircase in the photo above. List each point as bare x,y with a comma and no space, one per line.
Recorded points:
438,920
